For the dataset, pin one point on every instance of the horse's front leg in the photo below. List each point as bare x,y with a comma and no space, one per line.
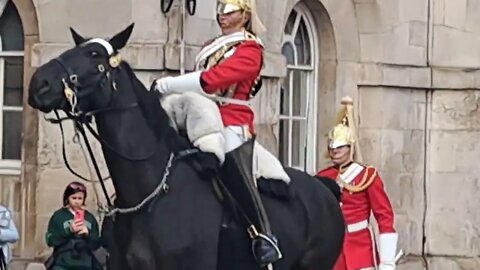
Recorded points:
116,238
139,252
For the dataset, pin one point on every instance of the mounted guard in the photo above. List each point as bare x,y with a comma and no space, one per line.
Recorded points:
228,73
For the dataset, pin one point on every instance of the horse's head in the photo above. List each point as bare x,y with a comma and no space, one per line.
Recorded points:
80,79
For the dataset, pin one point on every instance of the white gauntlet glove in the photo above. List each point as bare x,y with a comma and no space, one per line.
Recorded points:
387,248
160,85
383,266
189,82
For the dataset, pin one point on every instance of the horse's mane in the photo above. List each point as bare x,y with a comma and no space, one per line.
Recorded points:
156,117
149,102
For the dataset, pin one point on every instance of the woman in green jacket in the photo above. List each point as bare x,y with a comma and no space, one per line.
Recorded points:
73,233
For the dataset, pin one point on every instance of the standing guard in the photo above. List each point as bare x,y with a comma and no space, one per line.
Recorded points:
363,193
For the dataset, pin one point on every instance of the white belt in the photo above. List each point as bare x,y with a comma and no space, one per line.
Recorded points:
355,227
226,100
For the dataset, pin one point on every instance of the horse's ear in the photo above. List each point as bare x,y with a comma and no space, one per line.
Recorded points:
77,38
120,40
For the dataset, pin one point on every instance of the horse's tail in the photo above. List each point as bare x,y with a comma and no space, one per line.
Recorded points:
331,185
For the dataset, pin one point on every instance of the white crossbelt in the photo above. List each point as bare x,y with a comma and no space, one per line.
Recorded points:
358,226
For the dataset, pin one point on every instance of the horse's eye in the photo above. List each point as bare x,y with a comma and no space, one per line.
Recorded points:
93,54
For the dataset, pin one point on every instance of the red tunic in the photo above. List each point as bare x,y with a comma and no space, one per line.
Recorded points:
242,69
357,250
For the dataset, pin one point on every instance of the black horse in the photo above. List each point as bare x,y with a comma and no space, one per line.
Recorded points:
185,227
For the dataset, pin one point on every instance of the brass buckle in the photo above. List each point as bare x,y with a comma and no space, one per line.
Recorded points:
69,95
252,232
115,60
247,135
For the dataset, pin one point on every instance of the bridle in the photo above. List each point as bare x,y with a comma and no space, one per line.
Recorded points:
104,77
72,84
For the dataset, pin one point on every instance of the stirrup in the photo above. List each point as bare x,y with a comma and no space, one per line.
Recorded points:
265,248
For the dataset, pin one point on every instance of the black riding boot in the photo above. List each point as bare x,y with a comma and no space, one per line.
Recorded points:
237,176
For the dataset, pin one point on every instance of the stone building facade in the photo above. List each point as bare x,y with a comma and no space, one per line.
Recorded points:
412,67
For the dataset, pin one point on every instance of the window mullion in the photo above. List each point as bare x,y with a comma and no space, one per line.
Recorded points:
305,129
310,122
298,19
290,94
300,67
313,120
2,89
285,117
290,116
11,53
12,108
290,141
305,145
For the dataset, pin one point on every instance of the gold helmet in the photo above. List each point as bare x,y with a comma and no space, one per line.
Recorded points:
345,132
228,6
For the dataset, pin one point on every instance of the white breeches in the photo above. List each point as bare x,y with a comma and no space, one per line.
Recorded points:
235,136
264,163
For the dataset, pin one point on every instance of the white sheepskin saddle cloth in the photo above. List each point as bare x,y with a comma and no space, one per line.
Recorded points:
200,118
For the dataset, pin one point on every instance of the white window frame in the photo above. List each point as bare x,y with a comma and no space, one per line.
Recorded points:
310,132
7,166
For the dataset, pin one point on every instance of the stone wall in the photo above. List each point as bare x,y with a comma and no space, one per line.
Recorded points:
393,138
424,145
452,183
418,101
411,65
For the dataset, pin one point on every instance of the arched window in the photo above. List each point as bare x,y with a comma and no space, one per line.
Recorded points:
11,88
297,145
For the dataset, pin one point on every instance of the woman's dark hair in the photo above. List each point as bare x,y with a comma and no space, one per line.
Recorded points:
73,188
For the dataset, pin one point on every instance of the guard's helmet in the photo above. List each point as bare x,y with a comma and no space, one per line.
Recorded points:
248,6
345,132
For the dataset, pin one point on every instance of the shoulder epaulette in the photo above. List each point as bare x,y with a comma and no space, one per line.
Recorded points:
369,175
251,37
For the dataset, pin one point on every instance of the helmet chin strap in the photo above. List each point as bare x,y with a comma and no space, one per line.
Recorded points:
347,162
